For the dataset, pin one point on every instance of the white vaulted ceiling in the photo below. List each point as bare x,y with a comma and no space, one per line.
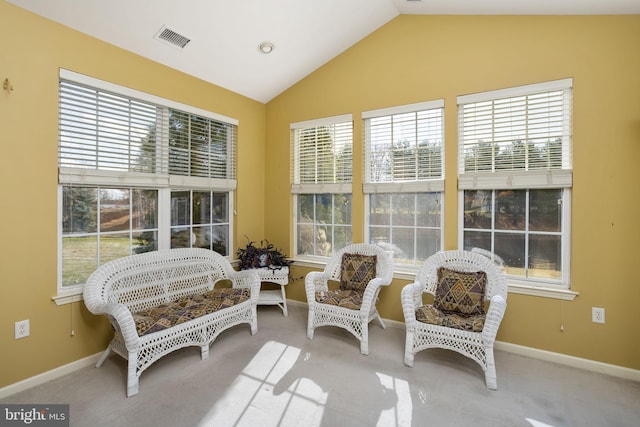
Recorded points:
224,34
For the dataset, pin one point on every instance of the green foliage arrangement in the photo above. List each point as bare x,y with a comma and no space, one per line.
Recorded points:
264,256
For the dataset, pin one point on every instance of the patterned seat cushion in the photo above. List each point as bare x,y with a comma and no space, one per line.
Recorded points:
187,308
342,298
467,322
460,292
356,271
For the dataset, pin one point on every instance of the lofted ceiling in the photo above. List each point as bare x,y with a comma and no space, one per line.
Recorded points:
224,35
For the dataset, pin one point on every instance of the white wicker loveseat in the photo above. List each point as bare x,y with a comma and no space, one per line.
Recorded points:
456,279
161,301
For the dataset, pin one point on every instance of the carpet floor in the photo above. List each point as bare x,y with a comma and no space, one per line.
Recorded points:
278,377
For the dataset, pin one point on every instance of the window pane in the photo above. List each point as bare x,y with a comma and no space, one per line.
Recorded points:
510,247
545,256
477,209
220,207
79,259
323,223
545,210
306,208
404,206
180,208
201,207
404,240
220,239
428,244
79,210
114,209
511,208
380,235
324,203
113,246
145,241
182,237
202,237
342,208
428,210
145,209
477,239
380,209
342,237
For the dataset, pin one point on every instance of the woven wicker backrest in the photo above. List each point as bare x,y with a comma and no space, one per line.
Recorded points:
384,263
465,261
146,280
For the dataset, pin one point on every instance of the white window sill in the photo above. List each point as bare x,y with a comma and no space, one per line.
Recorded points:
537,291
68,296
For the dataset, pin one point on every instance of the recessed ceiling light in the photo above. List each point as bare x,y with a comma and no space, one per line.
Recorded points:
266,47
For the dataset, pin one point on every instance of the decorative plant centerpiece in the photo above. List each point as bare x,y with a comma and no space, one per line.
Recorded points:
264,256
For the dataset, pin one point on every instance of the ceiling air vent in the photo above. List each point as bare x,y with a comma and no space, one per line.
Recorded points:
170,36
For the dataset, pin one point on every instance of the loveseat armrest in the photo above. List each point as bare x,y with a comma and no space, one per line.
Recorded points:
121,317
247,279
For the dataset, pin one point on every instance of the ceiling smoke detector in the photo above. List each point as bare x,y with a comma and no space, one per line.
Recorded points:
167,35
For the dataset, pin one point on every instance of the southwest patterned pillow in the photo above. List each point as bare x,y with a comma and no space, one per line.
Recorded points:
357,270
460,292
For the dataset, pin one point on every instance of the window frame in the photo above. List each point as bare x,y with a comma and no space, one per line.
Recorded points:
558,176
338,185
159,179
394,187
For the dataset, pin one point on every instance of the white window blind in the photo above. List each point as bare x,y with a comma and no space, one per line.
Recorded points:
404,148
103,135
323,151
201,149
516,138
111,134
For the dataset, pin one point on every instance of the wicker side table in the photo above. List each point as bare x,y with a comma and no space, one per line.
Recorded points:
274,297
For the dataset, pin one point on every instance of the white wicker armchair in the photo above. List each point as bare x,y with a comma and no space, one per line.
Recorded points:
476,343
327,308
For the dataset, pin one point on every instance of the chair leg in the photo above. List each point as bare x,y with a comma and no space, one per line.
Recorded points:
408,349
132,378
204,351
380,320
310,324
490,373
364,339
104,356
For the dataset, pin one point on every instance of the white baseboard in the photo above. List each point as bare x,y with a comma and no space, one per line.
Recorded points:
49,375
575,362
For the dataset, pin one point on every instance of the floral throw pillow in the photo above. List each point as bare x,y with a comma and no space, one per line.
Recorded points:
357,271
460,292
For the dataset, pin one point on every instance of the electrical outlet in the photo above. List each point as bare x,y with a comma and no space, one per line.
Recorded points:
597,315
22,329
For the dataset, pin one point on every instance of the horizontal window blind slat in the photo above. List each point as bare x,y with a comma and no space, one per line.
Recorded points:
331,188
516,180
436,185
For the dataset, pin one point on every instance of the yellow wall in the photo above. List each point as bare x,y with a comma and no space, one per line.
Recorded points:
412,59
33,49
421,58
